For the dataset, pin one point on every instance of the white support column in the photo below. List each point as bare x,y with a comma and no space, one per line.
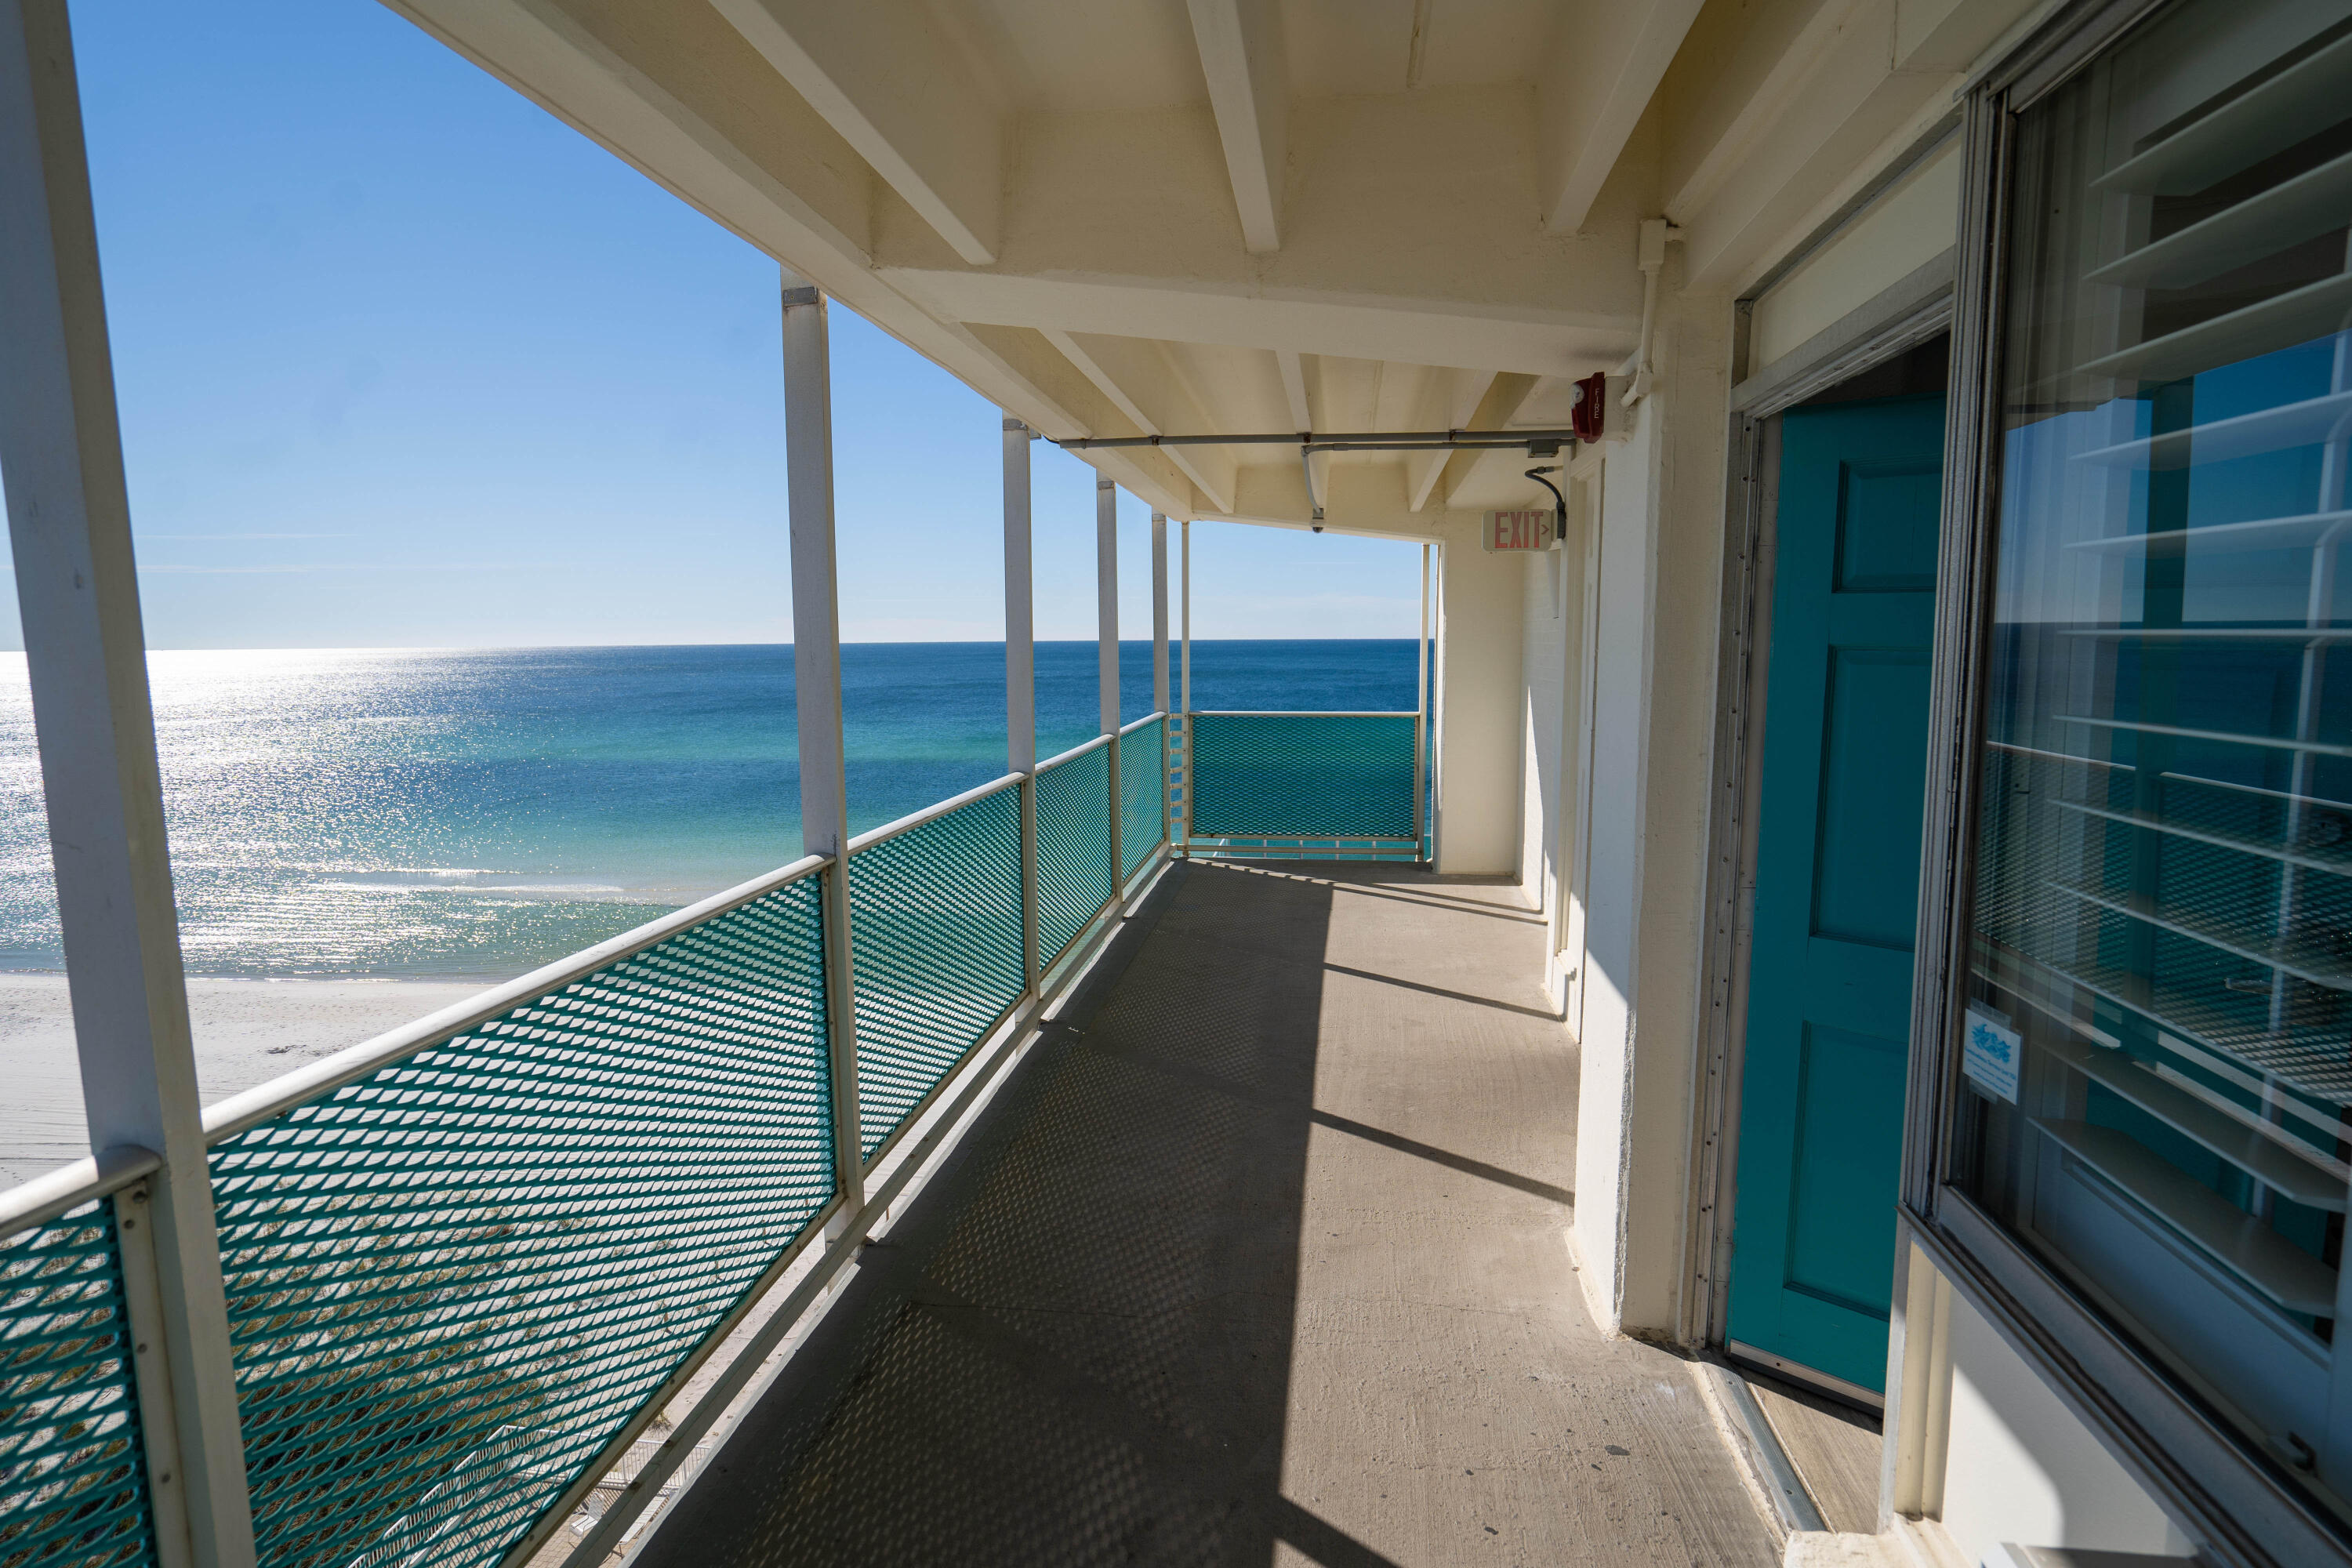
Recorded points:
816,680
1185,570
1107,602
1106,649
1020,614
77,589
1021,678
1421,703
1184,693
1160,612
1160,653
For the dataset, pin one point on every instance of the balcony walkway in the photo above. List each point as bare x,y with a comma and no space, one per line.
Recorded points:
1258,1259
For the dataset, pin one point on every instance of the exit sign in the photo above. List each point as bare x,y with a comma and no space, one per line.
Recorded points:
1530,530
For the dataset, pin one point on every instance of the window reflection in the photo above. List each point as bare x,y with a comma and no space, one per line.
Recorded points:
2158,1056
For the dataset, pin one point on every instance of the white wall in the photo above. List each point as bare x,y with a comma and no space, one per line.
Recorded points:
1543,659
1909,227
2020,1468
1479,705
1661,522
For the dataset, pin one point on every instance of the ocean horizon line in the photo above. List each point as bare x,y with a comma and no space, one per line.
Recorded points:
584,647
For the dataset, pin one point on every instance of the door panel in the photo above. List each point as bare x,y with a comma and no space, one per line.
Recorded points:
1843,1152
1837,882
1887,526
1868,836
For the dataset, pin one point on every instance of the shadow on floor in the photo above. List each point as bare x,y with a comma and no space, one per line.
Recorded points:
1251,1261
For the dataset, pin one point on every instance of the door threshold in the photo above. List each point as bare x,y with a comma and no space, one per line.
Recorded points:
1760,1451
1805,1376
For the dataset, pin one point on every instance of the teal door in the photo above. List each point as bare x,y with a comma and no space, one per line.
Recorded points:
1837,883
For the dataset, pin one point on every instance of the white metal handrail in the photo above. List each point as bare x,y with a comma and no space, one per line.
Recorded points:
239,1112
66,1188
915,819
254,1105
1302,713
1073,754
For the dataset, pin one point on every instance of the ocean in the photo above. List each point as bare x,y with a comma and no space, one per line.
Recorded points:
395,814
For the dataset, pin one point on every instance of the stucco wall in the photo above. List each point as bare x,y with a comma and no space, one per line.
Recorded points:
1911,226
1480,703
1654,701
1543,622
2020,1468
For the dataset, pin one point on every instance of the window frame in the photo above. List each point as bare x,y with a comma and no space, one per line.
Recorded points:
2243,1504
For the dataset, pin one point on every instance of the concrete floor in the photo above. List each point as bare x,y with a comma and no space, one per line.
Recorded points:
1258,1259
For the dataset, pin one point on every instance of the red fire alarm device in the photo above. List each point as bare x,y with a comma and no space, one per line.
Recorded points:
1585,417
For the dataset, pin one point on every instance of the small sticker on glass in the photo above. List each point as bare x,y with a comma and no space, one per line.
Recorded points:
1988,1054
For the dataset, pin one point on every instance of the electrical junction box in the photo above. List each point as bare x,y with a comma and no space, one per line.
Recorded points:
1517,532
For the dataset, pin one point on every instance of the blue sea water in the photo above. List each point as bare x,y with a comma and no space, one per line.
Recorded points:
475,814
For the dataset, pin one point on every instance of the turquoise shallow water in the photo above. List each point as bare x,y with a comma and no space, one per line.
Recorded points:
475,814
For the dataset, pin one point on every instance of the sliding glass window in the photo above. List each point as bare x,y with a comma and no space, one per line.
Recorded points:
2156,1051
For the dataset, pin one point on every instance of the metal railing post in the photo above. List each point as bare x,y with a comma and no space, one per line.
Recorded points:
1020,681
816,678
85,655
1107,655
151,1372
1185,691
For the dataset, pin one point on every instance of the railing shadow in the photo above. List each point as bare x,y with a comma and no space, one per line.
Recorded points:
1076,1347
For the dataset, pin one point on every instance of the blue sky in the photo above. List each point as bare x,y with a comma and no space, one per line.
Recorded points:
401,359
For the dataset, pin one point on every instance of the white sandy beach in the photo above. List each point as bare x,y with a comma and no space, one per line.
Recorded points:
247,1032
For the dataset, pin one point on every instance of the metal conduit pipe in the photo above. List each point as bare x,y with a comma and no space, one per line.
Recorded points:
1334,441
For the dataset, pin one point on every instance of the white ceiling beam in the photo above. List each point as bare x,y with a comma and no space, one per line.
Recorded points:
1294,388
1856,85
1293,367
1404,188
1538,340
1698,166
888,81
1240,43
1448,401
1358,498
1498,405
1210,468
1855,113
1606,63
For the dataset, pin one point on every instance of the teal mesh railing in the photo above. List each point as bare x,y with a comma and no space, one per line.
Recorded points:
1073,880
73,1479
458,1281
935,935
454,1281
1302,776
1142,793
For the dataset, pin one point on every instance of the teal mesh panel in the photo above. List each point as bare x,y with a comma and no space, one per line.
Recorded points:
1073,849
1301,775
73,1480
451,1282
1143,797
935,934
